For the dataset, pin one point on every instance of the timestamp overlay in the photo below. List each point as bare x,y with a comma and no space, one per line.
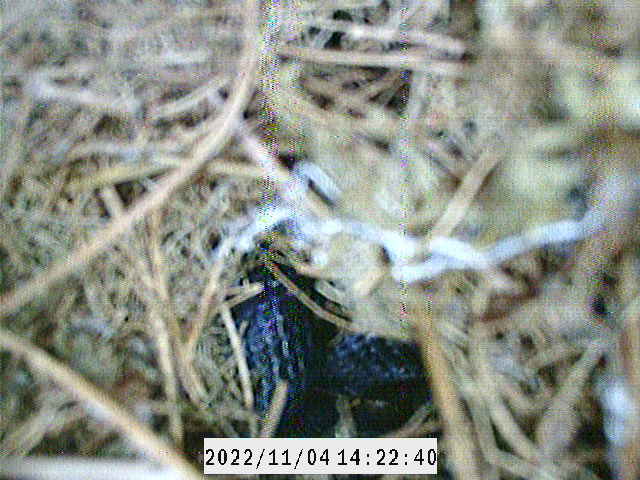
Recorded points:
320,455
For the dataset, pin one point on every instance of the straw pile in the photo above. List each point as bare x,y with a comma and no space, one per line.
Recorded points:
462,174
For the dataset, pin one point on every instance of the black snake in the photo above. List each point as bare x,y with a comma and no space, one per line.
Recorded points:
285,340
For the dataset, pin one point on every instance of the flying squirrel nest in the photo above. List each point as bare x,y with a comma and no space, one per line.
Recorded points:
460,175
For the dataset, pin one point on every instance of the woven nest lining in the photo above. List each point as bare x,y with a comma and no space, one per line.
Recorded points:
459,174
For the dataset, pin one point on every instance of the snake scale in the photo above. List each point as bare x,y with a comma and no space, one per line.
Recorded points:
285,340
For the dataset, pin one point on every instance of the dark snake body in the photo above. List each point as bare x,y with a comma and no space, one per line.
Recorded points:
285,340
277,343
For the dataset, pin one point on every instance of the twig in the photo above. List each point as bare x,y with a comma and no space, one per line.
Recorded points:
465,193
489,390
416,426
73,467
561,410
273,415
487,443
306,300
101,405
272,169
165,328
211,145
381,34
159,331
241,360
463,450
414,59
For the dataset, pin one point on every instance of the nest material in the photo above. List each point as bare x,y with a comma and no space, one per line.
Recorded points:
146,149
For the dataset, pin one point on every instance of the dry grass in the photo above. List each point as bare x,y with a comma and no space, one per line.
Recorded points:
489,148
